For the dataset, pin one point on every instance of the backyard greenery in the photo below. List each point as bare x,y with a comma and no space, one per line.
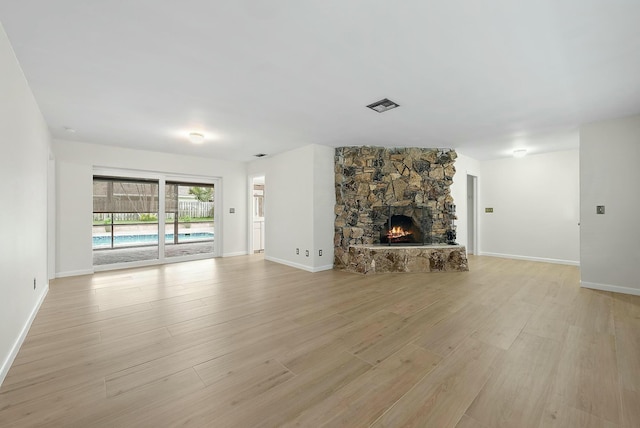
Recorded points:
203,194
148,217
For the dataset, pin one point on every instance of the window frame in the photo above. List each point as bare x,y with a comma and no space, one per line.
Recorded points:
162,178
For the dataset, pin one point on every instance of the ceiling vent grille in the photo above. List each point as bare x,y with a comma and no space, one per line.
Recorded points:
383,105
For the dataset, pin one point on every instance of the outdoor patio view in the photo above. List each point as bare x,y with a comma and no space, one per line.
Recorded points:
126,215
189,219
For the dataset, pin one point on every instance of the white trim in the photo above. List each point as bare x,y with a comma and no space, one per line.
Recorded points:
612,288
531,259
476,214
321,268
127,265
155,175
6,364
218,219
298,265
237,253
162,188
74,273
190,258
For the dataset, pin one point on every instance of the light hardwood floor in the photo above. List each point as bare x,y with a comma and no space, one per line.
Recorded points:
243,342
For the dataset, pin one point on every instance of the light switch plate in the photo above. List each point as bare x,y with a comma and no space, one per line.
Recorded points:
488,210
600,209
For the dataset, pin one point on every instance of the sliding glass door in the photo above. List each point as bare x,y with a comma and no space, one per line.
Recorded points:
189,219
152,219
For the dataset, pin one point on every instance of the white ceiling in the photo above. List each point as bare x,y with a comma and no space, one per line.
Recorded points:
267,76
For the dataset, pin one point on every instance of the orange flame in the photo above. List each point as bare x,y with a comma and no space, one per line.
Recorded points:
397,232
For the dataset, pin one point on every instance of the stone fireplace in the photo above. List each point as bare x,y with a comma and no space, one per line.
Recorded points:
394,210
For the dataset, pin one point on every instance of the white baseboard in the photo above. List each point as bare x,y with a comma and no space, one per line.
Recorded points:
8,361
612,288
321,268
237,253
531,259
298,265
288,263
74,273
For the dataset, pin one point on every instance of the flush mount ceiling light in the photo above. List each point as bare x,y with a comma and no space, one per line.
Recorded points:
383,105
520,153
196,138
69,130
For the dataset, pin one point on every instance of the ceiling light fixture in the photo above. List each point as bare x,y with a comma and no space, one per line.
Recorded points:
69,130
383,105
196,138
520,153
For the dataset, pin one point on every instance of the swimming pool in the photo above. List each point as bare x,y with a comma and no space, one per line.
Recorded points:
148,239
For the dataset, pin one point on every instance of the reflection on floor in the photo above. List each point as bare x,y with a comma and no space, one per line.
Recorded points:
136,254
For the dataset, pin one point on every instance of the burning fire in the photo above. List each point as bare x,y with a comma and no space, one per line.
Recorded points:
397,232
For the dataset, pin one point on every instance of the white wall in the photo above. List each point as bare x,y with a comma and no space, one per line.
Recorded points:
324,201
288,205
610,176
299,206
51,216
24,155
74,192
464,166
74,203
536,207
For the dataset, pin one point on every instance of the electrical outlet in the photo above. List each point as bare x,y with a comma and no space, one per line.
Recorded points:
34,283
320,252
306,253
298,251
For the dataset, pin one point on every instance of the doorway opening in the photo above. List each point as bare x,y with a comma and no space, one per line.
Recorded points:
257,221
472,204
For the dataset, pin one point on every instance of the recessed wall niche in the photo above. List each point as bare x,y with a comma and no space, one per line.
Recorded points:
370,177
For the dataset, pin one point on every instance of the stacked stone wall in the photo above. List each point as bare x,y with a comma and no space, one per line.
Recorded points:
368,177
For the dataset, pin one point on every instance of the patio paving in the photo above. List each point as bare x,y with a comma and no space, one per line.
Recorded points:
135,254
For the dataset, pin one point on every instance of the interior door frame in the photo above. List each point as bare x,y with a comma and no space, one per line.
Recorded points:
250,180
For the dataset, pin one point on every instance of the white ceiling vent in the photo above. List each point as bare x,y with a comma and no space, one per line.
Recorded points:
383,105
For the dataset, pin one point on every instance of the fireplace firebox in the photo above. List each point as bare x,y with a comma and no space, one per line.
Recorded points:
407,225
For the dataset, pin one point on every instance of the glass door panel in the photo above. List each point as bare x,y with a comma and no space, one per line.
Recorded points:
125,220
189,221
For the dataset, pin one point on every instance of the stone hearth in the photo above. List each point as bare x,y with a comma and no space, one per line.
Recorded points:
370,259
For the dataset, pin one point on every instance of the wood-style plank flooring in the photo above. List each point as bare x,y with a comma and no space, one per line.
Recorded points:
243,342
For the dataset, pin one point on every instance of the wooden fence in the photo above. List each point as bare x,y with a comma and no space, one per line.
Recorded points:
191,209
195,209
